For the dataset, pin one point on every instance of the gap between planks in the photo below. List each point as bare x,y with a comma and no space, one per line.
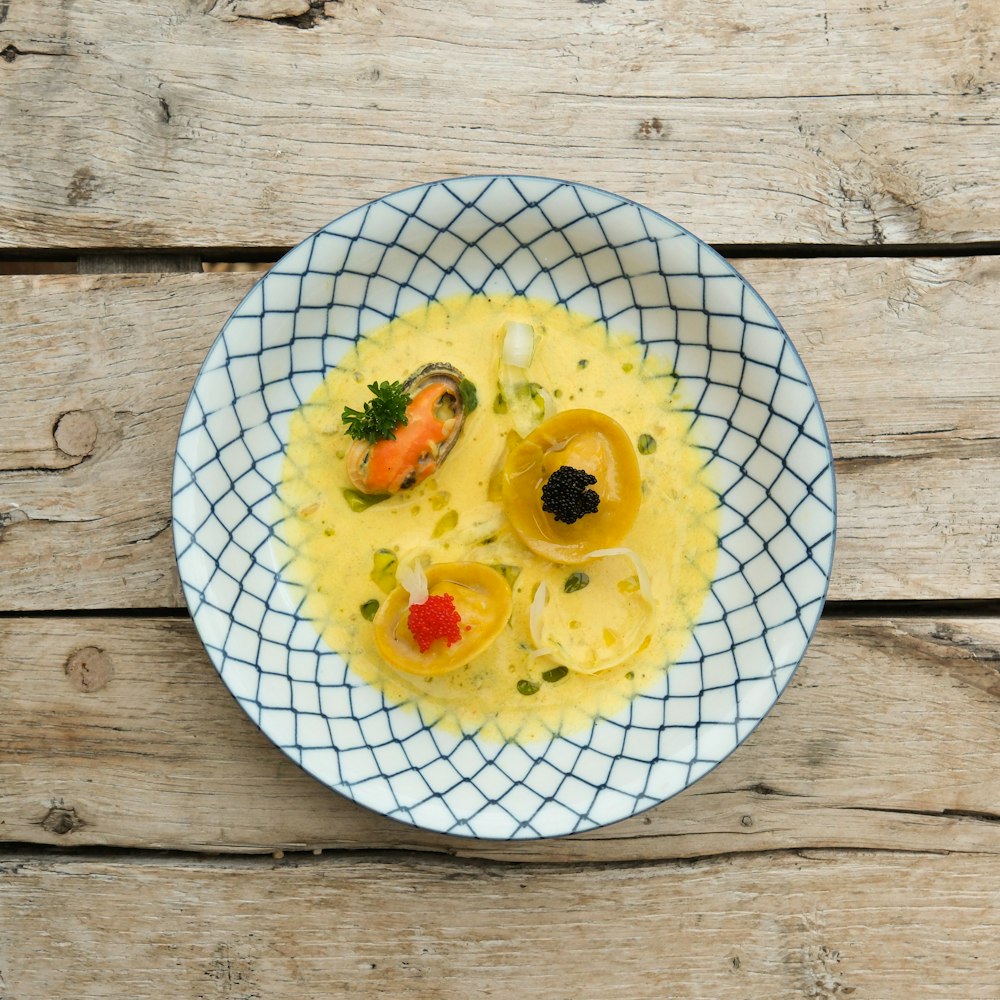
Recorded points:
45,261
17,854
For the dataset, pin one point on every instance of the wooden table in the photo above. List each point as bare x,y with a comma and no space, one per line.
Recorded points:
843,155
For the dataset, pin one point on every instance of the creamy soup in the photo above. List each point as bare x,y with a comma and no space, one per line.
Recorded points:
618,620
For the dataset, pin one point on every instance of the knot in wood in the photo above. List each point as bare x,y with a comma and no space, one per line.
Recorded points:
61,820
89,669
75,433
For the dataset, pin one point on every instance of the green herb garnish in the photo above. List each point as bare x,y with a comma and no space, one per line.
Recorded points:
381,416
647,444
509,573
555,674
446,522
575,581
470,398
383,574
368,609
527,687
358,501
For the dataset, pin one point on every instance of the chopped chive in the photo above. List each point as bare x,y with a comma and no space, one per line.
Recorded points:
470,398
368,609
527,687
358,501
555,674
647,444
534,393
383,574
575,581
440,500
509,573
445,523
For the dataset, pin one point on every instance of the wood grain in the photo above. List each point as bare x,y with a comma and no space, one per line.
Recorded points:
195,124
905,356
823,925
118,733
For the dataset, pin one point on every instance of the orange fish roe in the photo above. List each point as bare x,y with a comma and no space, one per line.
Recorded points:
436,618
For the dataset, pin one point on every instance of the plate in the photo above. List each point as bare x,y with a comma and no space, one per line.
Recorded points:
755,413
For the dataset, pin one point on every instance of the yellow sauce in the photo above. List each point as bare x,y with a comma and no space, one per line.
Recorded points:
457,515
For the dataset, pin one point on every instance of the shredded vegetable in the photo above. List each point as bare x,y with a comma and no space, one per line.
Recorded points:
535,613
592,654
527,402
518,345
645,588
413,580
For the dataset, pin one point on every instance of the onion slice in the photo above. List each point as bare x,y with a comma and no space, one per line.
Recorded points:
645,587
518,345
413,580
528,403
548,645
535,613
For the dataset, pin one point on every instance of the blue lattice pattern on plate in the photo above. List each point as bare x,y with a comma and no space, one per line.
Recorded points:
755,413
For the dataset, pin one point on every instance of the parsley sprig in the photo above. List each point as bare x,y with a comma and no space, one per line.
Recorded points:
382,414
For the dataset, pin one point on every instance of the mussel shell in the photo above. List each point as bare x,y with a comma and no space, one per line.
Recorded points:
435,373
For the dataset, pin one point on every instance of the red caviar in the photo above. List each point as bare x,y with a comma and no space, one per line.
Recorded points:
436,618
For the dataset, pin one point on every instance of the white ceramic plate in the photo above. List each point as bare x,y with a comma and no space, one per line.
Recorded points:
598,254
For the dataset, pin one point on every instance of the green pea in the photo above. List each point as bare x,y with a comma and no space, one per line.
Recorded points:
368,610
647,444
575,581
527,687
555,674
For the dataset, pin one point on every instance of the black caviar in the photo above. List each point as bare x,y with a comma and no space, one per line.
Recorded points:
566,497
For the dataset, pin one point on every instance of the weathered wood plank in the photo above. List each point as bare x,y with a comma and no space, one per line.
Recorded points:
854,124
905,355
824,925
118,733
